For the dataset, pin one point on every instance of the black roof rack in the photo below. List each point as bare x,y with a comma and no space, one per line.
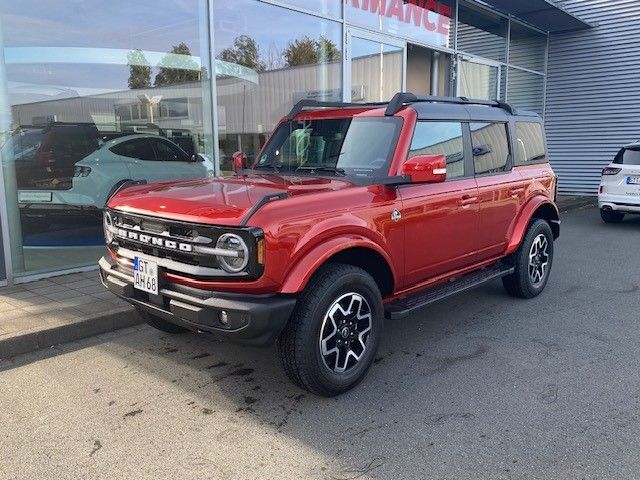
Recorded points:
399,99
307,103
396,103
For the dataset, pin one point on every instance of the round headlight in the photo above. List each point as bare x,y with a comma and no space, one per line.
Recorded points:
235,245
107,223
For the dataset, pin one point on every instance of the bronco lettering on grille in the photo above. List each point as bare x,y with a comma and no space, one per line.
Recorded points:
155,241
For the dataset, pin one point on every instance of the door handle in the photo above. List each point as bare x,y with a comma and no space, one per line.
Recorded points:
467,200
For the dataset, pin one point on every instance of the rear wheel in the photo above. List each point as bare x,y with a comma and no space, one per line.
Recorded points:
611,216
532,262
161,324
332,337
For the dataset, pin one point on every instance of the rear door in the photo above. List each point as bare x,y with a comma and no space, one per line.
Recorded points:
501,190
441,219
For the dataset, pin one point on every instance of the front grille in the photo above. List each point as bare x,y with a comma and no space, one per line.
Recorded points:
182,234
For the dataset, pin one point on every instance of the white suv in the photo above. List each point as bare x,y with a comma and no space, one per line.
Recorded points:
619,191
98,175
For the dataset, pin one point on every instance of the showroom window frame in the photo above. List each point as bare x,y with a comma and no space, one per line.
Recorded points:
13,279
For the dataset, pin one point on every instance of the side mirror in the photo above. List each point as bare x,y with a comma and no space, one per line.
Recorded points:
425,168
197,158
238,161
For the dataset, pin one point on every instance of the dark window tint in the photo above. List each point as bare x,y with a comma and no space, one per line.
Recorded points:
168,152
529,145
139,148
628,156
432,138
490,147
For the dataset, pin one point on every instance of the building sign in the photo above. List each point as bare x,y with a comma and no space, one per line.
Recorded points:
424,21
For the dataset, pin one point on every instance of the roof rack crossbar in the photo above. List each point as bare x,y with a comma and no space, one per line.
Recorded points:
308,103
399,99
396,103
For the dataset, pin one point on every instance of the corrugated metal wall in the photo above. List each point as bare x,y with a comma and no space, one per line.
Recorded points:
593,91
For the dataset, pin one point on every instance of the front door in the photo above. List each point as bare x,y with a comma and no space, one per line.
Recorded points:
441,220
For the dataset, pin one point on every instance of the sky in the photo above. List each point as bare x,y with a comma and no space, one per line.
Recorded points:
153,25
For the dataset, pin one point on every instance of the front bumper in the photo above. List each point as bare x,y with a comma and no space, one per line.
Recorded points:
252,319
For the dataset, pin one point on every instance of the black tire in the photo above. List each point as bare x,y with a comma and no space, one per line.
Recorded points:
299,345
611,216
161,324
520,283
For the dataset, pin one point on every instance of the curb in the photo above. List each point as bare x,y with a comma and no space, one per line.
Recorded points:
577,204
31,341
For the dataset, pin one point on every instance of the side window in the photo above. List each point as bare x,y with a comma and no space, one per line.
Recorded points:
139,149
529,145
440,138
167,152
490,147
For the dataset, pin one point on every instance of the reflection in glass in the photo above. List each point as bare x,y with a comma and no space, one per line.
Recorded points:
354,147
490,147
525,90
376,70
482,33
478,80
435,138
527,48
97,100
261,72
430,22
331,8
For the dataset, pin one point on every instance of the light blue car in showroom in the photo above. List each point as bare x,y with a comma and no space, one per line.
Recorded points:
98,175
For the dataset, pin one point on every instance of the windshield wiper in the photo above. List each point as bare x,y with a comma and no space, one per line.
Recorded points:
338,171
271,166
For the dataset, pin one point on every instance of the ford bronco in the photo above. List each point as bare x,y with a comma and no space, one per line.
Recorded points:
350,214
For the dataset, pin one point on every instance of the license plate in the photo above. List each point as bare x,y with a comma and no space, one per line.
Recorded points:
633,180
145,275
35,197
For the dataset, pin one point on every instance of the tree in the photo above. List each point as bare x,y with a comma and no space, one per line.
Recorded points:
244,52
309,51
327,50
139,70
183,68
303,51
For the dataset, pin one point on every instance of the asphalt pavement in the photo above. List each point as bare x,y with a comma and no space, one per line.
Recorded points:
478,386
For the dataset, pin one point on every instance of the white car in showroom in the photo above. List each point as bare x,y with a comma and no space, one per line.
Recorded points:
98,175
619,191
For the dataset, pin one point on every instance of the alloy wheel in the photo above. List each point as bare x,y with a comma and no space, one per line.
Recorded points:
344,332
538,259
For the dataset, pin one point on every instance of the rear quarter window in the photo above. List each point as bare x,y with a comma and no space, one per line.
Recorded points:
529,143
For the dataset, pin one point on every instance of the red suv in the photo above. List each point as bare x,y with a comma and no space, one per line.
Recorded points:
351,213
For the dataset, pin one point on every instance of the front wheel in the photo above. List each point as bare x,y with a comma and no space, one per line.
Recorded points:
532,262
333,335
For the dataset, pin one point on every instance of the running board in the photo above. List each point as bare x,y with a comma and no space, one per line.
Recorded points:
405,306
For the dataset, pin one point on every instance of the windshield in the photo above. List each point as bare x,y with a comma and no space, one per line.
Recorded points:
628,156
359,147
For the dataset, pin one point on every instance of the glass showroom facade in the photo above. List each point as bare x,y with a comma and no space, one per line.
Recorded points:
162,89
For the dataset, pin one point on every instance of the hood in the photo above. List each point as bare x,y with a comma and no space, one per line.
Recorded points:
219,201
